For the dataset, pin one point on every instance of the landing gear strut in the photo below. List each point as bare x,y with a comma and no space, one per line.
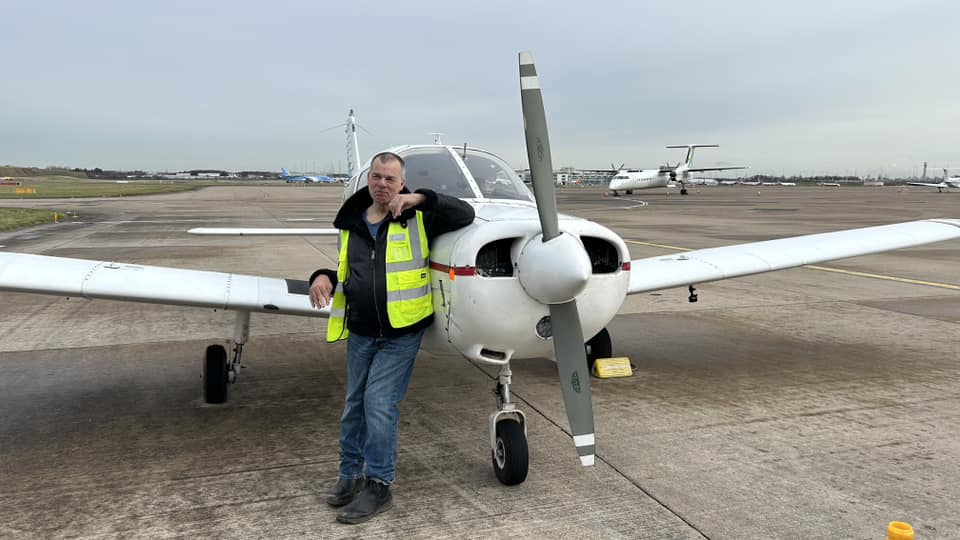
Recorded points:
217,372
508,435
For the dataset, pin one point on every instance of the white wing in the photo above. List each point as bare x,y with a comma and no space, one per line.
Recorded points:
703,265
60,276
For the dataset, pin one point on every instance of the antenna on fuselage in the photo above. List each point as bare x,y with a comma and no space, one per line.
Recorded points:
436,137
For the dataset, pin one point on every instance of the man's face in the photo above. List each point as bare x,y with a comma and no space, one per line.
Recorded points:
384,181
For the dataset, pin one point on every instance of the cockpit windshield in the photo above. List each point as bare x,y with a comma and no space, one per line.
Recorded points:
434,168
439,168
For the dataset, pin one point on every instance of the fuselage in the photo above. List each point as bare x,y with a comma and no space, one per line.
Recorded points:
627,180
631,179
481,307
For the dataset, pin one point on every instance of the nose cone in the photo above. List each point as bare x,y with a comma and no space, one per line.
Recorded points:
554,272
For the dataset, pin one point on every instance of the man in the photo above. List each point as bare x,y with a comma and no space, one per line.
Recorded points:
381,303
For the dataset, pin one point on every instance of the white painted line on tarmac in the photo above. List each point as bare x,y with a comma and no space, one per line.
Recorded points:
151,221
885,277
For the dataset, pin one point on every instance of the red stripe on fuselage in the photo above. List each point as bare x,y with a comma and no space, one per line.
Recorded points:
457,270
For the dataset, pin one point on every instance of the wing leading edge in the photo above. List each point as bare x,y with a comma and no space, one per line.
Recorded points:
713,264
60,276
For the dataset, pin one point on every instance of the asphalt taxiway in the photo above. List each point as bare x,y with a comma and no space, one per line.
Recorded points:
814,402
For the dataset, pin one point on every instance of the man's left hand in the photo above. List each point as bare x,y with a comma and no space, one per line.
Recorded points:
404,201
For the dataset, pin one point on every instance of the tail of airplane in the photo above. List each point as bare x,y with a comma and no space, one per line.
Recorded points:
353,149
688,162
284,173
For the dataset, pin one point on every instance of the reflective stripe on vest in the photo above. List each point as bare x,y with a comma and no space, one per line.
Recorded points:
337,325
407,264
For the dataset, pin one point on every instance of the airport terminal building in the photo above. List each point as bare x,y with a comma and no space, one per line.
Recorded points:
572,176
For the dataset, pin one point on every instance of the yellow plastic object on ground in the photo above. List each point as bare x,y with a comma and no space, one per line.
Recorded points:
606,368
898,530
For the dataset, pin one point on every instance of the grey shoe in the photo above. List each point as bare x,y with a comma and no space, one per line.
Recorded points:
344,491
374,498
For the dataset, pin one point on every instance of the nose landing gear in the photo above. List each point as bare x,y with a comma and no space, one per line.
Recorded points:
508,435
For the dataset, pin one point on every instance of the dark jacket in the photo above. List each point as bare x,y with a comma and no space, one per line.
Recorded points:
366,289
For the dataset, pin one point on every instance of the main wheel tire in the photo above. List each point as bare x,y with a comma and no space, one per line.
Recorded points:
510,459
599,346
683,191
215,374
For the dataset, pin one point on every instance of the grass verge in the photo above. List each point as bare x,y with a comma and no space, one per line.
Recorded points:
17,218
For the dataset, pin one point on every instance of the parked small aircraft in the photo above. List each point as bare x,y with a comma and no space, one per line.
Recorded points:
627,180
522,281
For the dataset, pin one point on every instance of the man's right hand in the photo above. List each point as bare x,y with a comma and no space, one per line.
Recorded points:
320,291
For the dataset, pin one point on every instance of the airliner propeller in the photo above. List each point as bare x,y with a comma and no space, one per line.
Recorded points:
554,267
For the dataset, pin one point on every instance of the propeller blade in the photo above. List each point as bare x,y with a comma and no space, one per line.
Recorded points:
574,379
538,147
565,320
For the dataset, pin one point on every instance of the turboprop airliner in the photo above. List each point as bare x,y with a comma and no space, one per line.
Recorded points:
627,180
522,281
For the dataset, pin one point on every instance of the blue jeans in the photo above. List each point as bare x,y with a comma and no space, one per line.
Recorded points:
378,374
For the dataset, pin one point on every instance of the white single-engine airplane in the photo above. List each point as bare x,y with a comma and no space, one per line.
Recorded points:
627,180
947,182
559,277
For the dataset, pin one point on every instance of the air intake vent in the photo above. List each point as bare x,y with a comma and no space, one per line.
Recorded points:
604,258
493,259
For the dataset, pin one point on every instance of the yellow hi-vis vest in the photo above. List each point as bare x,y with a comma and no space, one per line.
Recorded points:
409,299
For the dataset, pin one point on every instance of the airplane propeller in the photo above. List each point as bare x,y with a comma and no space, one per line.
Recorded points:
554,267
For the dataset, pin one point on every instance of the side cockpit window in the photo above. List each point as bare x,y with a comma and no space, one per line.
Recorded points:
495,178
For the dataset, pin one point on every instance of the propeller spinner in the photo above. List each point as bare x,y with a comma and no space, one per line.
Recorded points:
565,253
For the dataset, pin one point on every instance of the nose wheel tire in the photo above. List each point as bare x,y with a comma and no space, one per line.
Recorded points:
215,374
599,346
510,458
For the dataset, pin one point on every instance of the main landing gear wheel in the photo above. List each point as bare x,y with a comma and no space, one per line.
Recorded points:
683,191
215,374
599,346
510,458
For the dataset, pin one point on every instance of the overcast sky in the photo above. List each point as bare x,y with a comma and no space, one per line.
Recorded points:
859,86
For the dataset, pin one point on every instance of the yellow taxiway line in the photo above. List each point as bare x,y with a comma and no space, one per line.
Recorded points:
835,270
